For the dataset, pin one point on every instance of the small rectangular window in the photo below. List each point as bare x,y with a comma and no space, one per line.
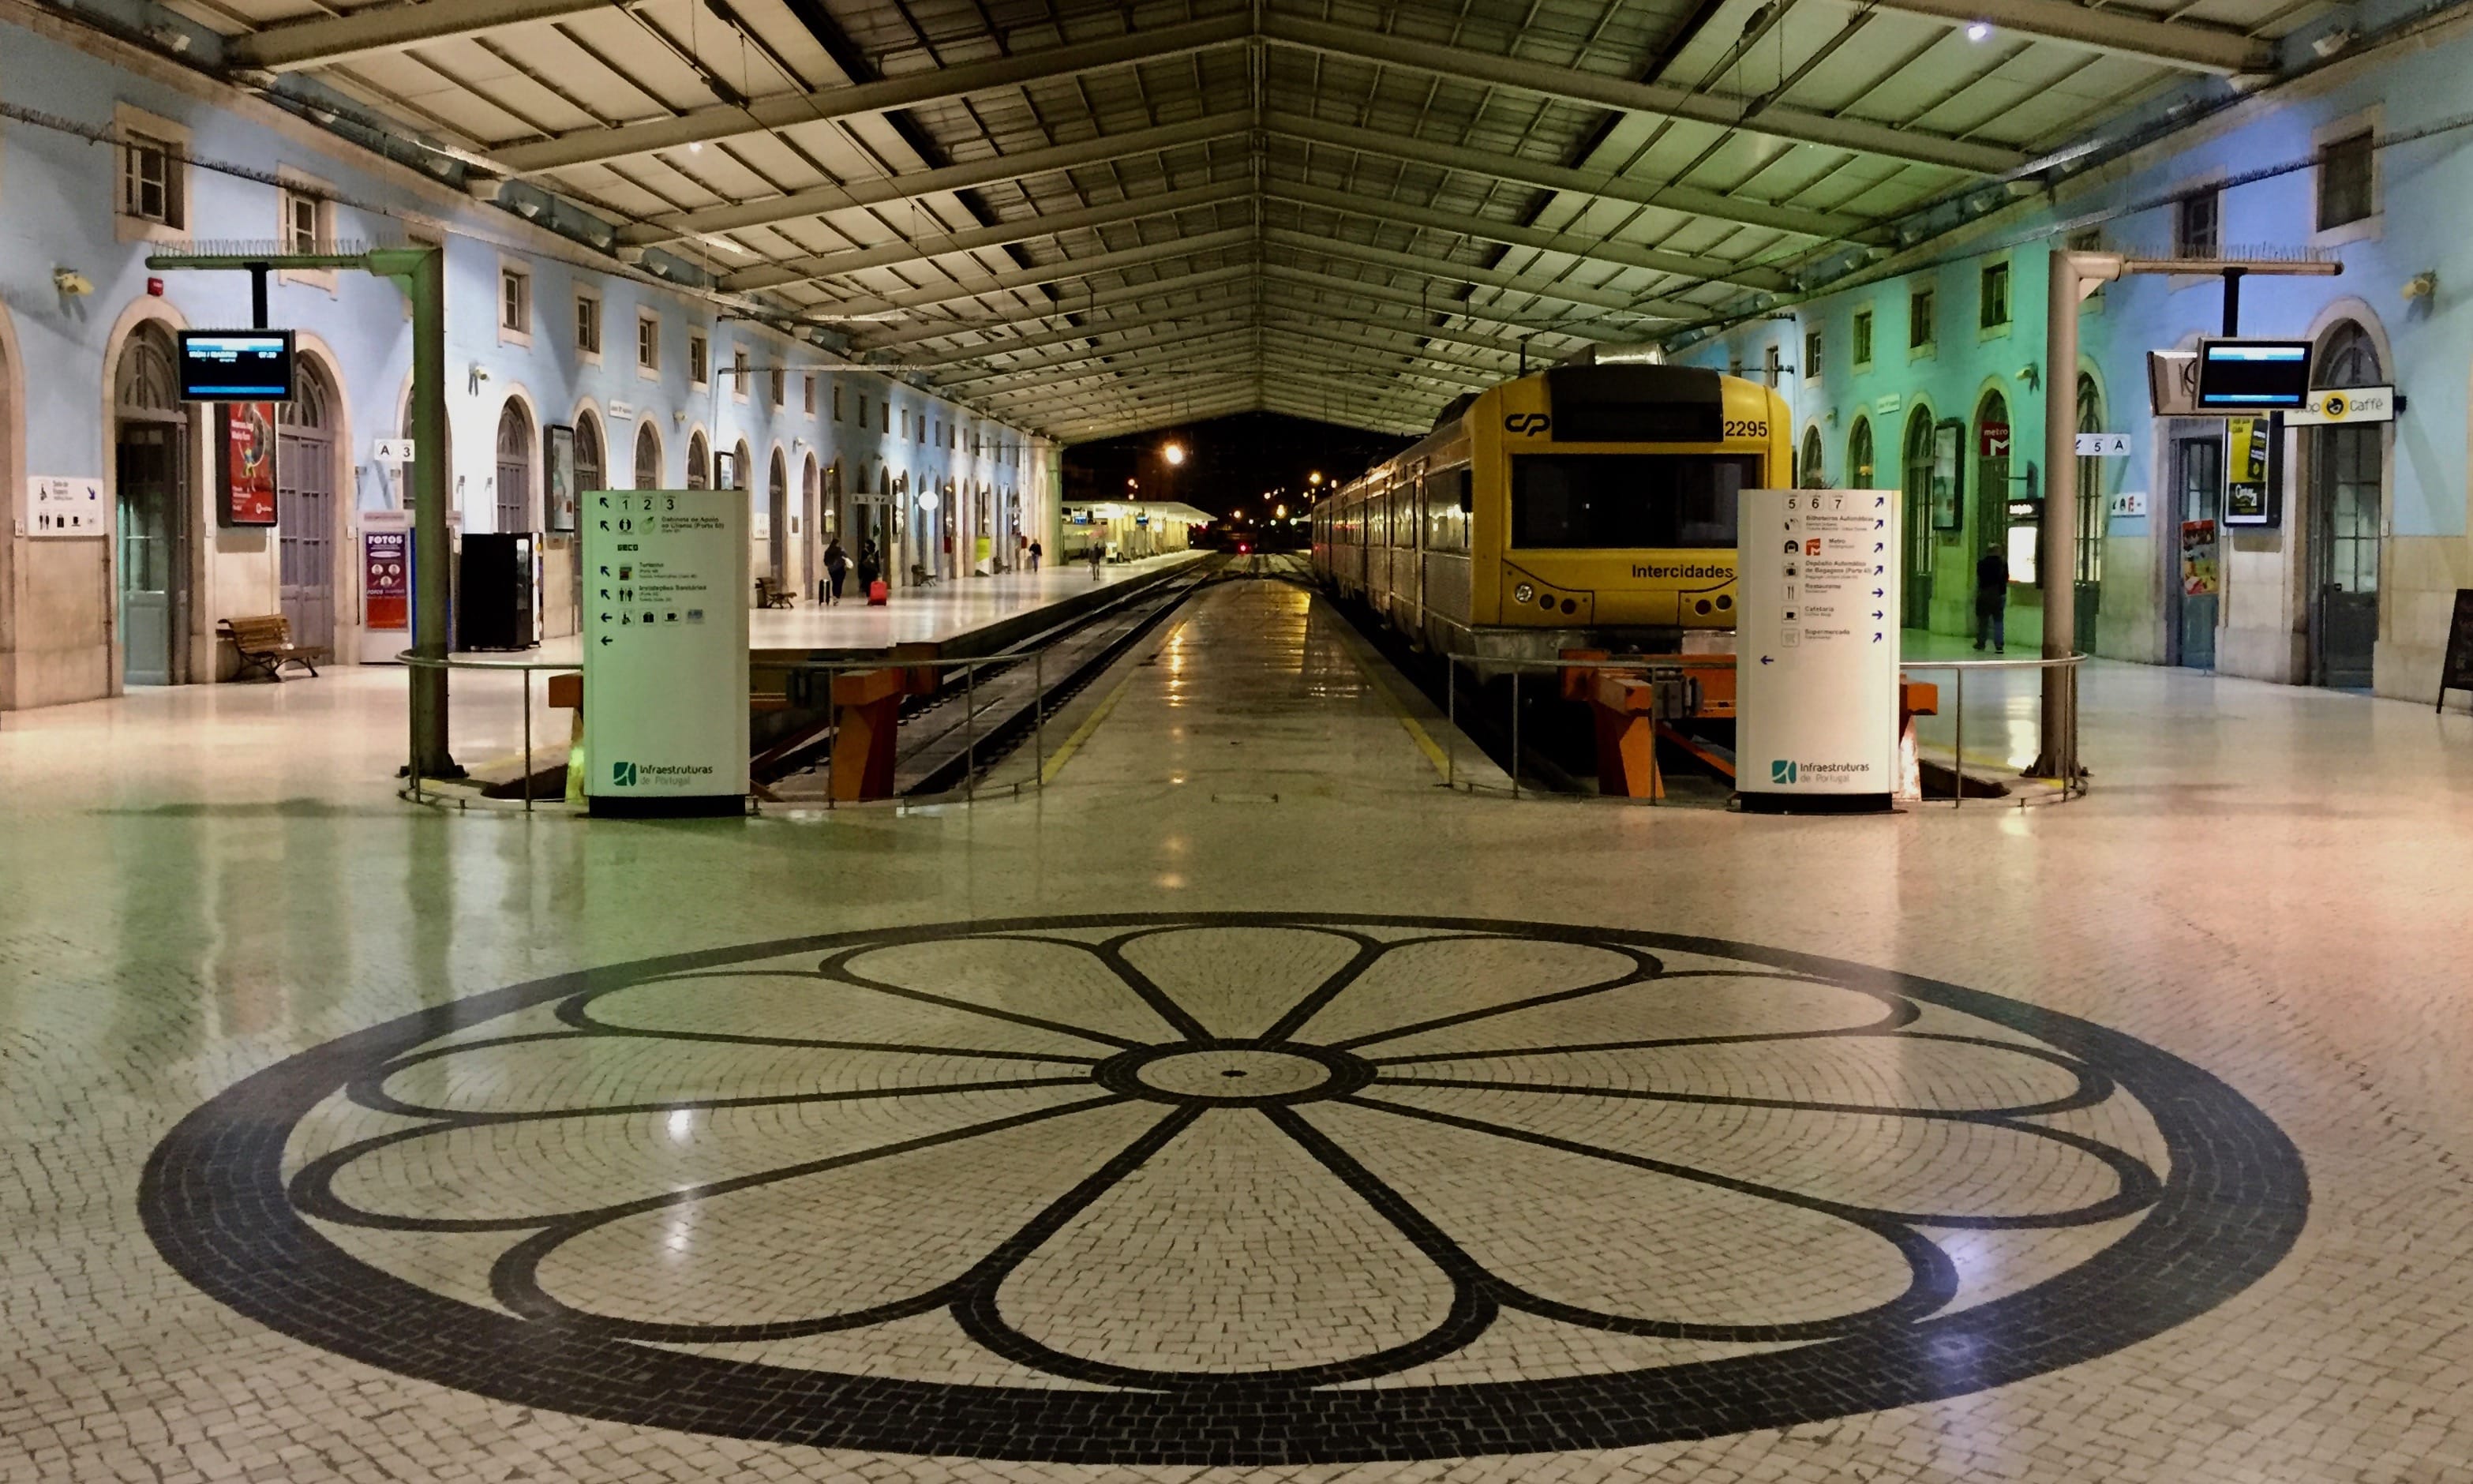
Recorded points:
837,403
699,359
905,422
514,302
648,343
808,394
1863,338
1772,366
150,179
588,324
885,414
1811,356
2345,181
1994,309
304,224
779,396
738,386
2197,222
1919,319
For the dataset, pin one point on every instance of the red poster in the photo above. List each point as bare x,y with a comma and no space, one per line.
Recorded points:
249,464
386,578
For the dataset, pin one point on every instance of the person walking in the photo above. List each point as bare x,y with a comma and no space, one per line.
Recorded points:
869,566
1992,600
836,567
1098,554
1034,556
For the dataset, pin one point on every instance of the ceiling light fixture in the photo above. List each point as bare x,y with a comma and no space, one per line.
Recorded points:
1979,31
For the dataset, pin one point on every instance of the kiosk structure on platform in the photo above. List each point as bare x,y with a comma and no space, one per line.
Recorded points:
1816,651
665,651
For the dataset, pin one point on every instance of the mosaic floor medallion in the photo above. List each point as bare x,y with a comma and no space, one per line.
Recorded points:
1227,1187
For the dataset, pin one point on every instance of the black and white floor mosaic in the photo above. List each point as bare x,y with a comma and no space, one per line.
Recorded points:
1226,1189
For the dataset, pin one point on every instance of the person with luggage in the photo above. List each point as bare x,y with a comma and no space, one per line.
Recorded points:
836,568
870,566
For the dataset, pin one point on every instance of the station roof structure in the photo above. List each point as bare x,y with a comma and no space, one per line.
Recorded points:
1094,219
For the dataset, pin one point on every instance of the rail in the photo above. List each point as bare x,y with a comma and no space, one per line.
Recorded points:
1651,664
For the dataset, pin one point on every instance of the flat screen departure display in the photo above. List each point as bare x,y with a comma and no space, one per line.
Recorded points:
2253,376
1627,501
236,366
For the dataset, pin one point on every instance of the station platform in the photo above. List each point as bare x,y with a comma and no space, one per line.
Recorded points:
1244,1106
961,618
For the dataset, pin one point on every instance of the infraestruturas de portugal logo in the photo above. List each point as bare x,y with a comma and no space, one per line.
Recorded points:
623,774
1782,771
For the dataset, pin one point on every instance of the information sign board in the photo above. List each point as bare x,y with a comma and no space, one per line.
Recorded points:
2102,446
235,365
665,575
2253,475
1816,653
67,505
386,577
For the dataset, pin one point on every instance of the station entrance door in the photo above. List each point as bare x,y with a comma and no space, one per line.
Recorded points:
2192,550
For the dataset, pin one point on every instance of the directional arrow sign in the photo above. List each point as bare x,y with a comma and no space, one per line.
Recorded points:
1766,659
1880,500
605,638
1876,612
1876,636
1877,592
1877,546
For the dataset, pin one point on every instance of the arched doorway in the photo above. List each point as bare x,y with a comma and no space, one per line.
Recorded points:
811,487
2093,502
306,484
2348,504
699,461
1992,454
151,499
1811,476
778,493
648,457
592,460
591,472
1922,476
517,501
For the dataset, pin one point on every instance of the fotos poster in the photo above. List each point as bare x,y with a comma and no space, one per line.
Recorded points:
249,464
2201,575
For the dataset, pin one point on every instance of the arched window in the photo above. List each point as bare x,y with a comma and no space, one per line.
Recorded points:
517,501
741,477
1992,478
1811,476
2347,496
778,494
305,474
699,463
1859,455
648,457
2092,494
1922,475
592,460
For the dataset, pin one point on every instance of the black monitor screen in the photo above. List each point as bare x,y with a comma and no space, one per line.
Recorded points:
2250,375
236,366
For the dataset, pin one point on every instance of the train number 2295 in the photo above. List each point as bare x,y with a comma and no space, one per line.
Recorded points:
1745,427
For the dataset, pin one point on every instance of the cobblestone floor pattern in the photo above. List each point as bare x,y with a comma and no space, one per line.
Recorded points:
1246,1107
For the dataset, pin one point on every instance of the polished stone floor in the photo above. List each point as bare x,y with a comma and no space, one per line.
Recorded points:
1245,1104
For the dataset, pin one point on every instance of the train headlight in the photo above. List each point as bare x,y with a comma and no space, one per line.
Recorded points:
1523,592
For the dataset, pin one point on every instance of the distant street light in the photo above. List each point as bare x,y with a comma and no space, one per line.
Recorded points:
1280,511
1174,453
1314,478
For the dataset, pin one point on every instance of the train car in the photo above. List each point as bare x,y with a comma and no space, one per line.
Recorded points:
1584,507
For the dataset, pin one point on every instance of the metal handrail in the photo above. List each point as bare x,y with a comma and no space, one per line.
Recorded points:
1516,664
829,668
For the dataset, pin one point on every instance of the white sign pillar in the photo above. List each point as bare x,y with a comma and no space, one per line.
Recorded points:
665,579
1816,651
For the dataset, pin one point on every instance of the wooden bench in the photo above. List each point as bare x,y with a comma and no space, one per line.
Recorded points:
771,594
265,643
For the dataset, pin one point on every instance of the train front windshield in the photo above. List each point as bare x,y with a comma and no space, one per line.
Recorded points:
1627,501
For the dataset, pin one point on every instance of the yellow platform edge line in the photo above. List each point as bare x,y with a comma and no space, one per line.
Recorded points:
1359,654
1055,761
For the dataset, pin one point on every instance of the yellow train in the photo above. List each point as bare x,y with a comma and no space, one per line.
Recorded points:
1584,507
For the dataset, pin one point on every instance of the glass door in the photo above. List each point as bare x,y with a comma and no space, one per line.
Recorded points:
2196,586
150,460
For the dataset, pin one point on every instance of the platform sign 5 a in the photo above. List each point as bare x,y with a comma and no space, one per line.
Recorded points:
665,651
1817,654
